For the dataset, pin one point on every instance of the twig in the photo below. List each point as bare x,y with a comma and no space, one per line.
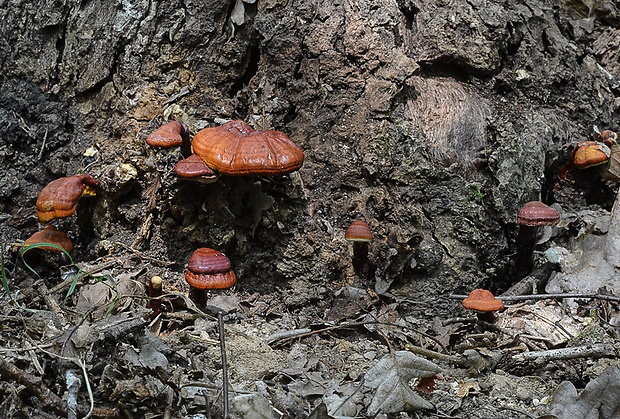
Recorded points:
546,297
40,156
44,292
73,388
220,324
427,353
34,385
287,334
145,256
596,350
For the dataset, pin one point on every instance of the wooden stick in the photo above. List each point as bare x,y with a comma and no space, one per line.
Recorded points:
547,297
35,386
596,350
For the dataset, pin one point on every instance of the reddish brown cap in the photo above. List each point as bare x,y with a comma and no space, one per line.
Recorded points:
209,269
609,137
60,197
193,168
535,213
167,136
358,231
590,153
50,235
235,148
483,301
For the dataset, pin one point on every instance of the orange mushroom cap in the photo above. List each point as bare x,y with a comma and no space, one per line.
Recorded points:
209,269
60,197
535,213
236,149
590,153
167,136
358,231
50,235
482,301
193,168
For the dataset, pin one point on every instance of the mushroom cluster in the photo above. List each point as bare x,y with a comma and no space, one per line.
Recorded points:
59,199
233,148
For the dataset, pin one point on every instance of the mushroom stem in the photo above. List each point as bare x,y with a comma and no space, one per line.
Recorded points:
525,243
155,290
488,316
186,146
360,257
199,297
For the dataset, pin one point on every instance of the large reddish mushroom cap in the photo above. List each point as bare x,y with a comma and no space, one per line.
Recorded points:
482,301
167,136
236,149
358,231
535,213
60,197
209,269
50,235
193,168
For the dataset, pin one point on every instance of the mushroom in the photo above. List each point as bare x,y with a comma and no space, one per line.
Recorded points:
51,235
236,149
530,217
193,168
359,234
484,303
154,291
172,134
60,197
208,269
589,153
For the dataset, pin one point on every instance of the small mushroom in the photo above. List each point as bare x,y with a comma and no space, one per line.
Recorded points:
154,291
51,235
359,234
530,217
236,149
193,168
208,269
172,134
607,136
60,197
484,303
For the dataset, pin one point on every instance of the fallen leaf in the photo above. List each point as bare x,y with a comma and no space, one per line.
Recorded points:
391,376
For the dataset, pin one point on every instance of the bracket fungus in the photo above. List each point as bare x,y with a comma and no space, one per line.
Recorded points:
193,168
172,134
51,235
60,197
236,149
359,234
208,269
589,153
484,303
530,217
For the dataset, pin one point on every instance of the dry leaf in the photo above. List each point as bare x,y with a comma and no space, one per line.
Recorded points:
599,400
391,376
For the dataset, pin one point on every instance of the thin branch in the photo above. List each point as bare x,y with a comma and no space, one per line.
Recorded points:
547,297
596,350
35,386
220,324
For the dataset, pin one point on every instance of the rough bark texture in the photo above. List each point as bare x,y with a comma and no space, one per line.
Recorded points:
432,120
